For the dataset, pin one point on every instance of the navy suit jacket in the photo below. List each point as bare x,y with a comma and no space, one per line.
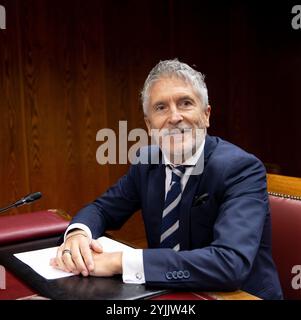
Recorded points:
225,240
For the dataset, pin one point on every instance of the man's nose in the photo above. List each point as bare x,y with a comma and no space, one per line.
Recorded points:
175,116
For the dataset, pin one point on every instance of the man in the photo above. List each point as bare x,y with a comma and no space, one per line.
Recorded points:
205,205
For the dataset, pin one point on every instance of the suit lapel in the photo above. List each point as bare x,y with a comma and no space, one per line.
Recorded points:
193,184
156,198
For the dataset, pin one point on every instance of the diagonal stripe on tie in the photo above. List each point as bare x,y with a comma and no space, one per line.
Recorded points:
169,231
170,216
172,205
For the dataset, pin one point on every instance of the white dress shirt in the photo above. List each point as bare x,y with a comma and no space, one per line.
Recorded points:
132,260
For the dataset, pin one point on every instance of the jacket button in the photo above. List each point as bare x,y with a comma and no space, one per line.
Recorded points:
168,275
175,275
186,274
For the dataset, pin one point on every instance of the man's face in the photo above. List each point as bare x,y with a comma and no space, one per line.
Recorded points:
176,111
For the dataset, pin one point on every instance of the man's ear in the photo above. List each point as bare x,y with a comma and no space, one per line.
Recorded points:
207,116
148,125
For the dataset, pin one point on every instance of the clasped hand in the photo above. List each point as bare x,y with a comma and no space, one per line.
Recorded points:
79,255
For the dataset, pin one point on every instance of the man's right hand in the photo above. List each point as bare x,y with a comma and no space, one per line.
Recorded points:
75,254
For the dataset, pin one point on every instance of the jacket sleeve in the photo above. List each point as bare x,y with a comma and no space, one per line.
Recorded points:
114,207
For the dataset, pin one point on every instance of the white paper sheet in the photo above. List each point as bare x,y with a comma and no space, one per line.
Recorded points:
39,260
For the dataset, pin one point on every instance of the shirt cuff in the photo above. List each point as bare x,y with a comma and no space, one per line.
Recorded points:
132,266
78,226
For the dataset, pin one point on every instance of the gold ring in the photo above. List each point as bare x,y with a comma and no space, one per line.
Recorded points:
67,251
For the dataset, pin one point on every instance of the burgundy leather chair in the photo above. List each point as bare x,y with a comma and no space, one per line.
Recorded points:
286,240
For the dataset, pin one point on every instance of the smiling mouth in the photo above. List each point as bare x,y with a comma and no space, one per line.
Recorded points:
176,131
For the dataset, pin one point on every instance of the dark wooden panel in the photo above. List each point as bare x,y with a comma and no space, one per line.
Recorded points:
64,100
13,140
278,70
42,102
89,107
241,78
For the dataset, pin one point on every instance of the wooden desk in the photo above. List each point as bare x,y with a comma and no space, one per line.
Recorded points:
235,295
18,289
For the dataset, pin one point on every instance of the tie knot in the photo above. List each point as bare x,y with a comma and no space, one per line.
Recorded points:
177,173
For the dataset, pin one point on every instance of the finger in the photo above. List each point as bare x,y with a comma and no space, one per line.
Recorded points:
67,258
96,246
59,261
52,262
78,258
68,262
86,253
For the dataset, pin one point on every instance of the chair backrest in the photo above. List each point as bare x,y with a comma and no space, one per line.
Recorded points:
285,204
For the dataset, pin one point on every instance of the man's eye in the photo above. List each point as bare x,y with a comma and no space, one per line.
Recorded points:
186,103
160,107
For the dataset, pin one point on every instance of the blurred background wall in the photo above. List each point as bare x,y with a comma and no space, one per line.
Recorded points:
71,68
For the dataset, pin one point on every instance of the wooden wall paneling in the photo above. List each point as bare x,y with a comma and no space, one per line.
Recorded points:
64,100
117,59
200,35
13,140
90,104
67,149
62,104
43,103
242,111
39,95
278,70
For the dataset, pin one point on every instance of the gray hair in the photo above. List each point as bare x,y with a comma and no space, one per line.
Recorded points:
169,68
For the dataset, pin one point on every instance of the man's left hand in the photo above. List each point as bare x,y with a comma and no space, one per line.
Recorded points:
107,264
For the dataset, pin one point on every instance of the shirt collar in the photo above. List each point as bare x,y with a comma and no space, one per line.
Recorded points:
189,162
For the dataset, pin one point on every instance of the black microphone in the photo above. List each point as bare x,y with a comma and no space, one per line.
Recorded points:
25,200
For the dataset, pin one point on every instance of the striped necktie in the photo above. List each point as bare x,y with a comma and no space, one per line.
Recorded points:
170,218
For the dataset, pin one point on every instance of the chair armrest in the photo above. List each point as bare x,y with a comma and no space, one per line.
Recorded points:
32,225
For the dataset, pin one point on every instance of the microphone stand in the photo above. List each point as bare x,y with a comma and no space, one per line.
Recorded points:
27,199
8,207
